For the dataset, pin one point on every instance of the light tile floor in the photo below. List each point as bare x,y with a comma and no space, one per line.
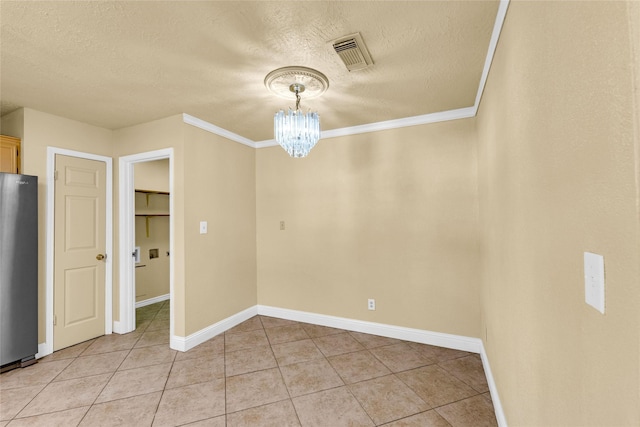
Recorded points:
263,372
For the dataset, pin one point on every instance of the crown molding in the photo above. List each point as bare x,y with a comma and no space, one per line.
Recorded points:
199,123
270,143
442,116
493,44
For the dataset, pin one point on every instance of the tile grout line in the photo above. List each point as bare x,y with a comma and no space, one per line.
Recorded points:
168,375
461,379
360,404
224,365
423,412
31,400
290,399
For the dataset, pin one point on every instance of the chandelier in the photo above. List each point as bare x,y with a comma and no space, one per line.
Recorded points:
297,132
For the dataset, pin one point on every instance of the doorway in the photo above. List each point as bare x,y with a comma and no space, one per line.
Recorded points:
152,254
127,244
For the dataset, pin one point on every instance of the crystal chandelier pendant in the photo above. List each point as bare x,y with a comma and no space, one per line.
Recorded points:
296,132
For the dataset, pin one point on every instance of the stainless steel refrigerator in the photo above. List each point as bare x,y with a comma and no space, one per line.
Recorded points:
18,270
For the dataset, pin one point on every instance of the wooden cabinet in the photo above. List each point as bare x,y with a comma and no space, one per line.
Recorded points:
9,154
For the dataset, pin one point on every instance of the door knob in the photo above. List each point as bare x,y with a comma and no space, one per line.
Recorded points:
100,257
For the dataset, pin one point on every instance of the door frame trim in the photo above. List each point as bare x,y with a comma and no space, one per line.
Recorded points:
126,237
47,347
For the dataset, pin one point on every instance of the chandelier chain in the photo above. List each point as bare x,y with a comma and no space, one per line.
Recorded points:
297,90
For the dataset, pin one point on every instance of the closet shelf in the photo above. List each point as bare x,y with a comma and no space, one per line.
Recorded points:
166,193
147,215
149,193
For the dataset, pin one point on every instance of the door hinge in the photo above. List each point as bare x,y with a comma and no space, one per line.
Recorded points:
55,320
55,175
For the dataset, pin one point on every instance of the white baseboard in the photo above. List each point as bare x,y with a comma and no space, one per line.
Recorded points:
187,343
456,342
117,327
495,398
153,300
43,350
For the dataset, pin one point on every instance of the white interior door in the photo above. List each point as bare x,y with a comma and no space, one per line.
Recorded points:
79,250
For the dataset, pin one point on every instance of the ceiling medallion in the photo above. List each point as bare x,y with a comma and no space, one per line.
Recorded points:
295,131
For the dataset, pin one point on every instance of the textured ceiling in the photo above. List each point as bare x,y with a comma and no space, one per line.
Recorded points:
119,63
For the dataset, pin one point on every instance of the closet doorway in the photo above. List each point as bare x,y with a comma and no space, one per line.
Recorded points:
146,243
152,247
151,182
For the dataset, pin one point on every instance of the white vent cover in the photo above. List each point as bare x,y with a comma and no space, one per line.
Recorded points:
353,52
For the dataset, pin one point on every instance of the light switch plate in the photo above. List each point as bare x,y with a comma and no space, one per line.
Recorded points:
594,280
203,227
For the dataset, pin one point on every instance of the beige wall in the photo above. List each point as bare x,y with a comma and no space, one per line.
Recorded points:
152,175
390,215
12,124
41,130
152,274
557,178
220,265
634,23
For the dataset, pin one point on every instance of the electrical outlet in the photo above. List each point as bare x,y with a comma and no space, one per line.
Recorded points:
371,304
281,225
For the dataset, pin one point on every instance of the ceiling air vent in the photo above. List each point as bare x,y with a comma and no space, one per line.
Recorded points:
353,52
